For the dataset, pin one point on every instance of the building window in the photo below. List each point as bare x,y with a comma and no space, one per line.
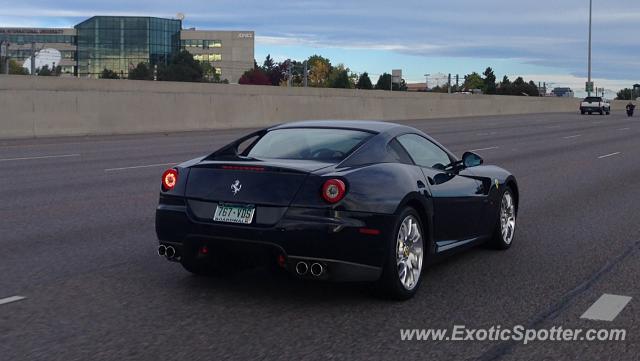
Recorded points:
212,44
207,57
201,44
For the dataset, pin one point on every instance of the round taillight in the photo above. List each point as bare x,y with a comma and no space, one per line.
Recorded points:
333,190
169,179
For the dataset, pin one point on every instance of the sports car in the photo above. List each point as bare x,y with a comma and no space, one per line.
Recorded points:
362,201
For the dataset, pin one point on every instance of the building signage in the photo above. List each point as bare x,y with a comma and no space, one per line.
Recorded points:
30,31
245,35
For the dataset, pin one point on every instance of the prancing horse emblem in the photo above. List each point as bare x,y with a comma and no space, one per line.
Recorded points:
236,187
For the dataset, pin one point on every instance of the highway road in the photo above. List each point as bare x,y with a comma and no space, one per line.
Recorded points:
77,241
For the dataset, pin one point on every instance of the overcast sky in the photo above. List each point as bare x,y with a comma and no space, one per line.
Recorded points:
543,40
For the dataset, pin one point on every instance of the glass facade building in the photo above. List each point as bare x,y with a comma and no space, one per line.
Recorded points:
120,43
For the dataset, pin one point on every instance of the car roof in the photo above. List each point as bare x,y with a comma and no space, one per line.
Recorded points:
367,125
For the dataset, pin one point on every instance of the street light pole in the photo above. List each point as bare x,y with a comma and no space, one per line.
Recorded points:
590,11
426,82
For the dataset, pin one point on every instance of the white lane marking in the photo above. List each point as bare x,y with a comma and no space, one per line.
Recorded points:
608,155
489,133
624,128
489,148
139,166
40,157
606,308
11,299
572,136
553,126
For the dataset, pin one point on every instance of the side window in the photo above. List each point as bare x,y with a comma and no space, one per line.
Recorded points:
397,153
423,152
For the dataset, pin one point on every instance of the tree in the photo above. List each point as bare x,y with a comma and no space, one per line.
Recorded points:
384,83
44,71
210,72
14,68
532,89
255,77
339,78
108,74
268,64
504,88
319,70
473,81
275,72
181,67
141,72
364,82
625,94
489,81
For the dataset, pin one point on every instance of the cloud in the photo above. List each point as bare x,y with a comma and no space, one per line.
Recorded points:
547,33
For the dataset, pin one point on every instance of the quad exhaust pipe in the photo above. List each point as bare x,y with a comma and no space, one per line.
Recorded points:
302,268
167,251
316,269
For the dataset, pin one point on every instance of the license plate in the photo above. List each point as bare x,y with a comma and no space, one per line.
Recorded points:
234,213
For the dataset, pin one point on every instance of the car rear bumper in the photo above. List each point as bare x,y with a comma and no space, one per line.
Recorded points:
592,108
352,246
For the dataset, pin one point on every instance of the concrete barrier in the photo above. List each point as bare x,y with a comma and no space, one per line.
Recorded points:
47,106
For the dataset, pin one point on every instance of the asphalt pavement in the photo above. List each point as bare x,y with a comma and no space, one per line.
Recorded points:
80,278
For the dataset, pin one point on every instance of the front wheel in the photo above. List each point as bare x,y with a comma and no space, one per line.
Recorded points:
401,274
506,224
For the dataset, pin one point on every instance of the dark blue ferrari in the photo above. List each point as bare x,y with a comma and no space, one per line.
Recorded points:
334,200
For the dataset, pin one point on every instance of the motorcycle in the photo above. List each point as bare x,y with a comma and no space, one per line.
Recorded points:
630,109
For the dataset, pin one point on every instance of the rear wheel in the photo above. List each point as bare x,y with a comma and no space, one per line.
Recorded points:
506,224
402,272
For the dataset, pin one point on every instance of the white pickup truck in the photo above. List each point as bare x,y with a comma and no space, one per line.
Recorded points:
595,105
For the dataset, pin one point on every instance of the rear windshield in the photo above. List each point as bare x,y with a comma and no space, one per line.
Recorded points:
592,99
308,144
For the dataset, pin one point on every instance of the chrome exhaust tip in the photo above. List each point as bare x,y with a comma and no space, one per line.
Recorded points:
170,252
162,250
317,269
302,268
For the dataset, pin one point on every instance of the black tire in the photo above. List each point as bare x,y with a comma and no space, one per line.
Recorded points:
608,112
497,240
590,113
601,112
389,286
582,112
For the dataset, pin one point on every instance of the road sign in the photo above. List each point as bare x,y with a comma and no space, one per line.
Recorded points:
396,76
589,87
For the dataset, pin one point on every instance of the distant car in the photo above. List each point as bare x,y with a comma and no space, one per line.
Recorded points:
334,200
595,105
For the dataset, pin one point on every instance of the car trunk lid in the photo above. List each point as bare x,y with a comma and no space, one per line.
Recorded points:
262,183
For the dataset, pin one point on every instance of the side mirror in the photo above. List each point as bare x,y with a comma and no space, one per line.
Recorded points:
470,159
